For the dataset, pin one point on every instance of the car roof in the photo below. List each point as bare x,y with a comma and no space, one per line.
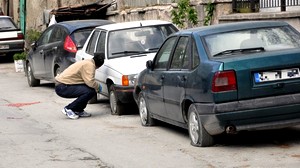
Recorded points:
79,24
227,27
2,16
132,24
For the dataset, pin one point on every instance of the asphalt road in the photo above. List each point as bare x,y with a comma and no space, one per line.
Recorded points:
34,133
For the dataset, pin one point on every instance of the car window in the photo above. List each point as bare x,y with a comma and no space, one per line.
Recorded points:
80,36
7,24
44,39
180,57
92,42
269,39
196,59
162,57
57,35
101,42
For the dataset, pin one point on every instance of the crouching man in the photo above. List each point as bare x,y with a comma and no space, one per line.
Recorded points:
78,81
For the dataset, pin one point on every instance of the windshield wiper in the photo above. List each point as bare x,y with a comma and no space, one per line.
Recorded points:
5,27
130,52
226,52
151,49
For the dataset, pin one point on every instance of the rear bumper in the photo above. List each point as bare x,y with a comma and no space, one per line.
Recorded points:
11,46
124,93
261,113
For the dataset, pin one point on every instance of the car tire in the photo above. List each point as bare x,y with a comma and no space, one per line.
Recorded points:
197,133
93,99
116,107
57,71
146,119
32,81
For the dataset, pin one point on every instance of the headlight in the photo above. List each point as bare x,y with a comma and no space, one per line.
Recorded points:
128,80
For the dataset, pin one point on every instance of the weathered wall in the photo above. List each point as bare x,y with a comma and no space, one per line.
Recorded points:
130,10
36,8
123,10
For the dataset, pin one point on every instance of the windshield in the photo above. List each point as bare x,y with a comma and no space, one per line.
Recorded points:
264,39
137,40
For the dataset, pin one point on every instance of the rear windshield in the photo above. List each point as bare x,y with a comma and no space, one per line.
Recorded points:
80,36
7,24
264,39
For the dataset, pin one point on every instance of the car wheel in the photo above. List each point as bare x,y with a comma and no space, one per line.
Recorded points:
57,71
93,100
198,135
116,106
146,119
30,78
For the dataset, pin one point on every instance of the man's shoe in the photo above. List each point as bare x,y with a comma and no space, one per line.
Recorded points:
83,114
70,113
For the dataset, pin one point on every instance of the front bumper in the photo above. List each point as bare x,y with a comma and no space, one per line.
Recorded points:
124,93
261,113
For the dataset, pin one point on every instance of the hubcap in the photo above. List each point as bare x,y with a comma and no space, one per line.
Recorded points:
29,73
113,102
143,111
194,127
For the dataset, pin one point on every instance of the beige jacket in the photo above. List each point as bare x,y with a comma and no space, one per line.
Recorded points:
81,72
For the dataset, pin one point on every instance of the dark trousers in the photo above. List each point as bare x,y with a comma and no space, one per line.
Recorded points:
82,92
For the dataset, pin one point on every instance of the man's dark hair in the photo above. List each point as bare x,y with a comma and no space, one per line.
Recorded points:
99,59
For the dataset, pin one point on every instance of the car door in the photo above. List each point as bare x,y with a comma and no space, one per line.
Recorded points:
175,79
101,73
155,78
38,54
53,50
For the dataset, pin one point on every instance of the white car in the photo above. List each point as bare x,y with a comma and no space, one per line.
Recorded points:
11,38
127,47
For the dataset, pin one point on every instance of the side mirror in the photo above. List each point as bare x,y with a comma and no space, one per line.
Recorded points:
149,64
33,45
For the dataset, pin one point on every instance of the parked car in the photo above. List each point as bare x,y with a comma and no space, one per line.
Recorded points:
223,78
55,50
11,37
127,47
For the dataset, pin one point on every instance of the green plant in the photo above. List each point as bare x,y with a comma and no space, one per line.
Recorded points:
32,35
209,9
20,56
184,14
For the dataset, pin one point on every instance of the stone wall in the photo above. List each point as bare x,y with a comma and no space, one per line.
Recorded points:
131,10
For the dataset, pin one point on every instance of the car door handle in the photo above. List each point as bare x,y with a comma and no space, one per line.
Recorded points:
182,78
41,52
54,48
162,77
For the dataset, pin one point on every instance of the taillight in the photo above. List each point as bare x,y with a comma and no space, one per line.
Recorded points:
69,45
224,81
125,80
20,36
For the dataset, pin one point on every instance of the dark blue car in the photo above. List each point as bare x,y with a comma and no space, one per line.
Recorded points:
223,78
55,50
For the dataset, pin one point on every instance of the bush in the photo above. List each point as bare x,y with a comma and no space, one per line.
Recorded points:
32,35
19,56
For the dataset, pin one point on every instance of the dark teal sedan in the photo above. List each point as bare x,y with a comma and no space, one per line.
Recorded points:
223,78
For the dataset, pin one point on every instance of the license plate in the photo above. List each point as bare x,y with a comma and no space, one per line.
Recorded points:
2,47
276,75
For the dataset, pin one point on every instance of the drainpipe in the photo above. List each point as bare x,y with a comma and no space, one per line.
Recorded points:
283,7
7,7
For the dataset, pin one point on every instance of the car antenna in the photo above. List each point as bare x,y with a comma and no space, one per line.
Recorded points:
141,24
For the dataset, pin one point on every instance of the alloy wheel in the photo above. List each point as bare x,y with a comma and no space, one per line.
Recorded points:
194,127
143,111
